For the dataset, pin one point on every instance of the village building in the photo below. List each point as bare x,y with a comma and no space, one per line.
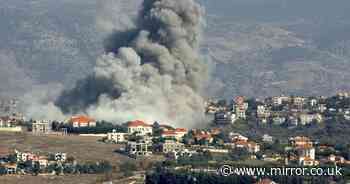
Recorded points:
181,153
307,161
43,161
313,102
11,168
140,128
263,120
293,120
82,121
240,141
241,113
279,100
41,127
116,137
176,134
299,101
164,127
5,122
139,148
322,108
267,138
300,141
278,120
336,159
263,112
237,137
308,118
306,151
240,107
203,136
251,146
171,146
62,157
222,118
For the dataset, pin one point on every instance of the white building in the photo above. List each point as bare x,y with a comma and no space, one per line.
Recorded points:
82,121
278,120
172,146
61,157
116,137
139,127
139,148
177,134
41,127
241,113
308,118
267,138
278,100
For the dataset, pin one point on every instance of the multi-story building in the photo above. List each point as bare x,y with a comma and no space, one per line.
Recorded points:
41,127
116,137
140,128
172,146
139,148
262,111
267,138
299,101
300,141
308,118
82,121
222,118
176,134
60,157
241,113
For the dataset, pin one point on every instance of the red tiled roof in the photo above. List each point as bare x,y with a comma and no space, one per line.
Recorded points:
137,123
180,130
166,126
305,146
81,119
170,132
202,136
243,143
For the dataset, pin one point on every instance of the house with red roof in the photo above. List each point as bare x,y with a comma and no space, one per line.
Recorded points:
203,136
82,121
139,127
177,133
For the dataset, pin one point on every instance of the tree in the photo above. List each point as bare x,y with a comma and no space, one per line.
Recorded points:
128,168
69,169
239,154
36,168
3,170
12,158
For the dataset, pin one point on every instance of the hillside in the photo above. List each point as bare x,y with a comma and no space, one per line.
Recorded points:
259,48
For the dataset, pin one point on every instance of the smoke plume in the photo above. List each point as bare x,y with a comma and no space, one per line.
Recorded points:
151,71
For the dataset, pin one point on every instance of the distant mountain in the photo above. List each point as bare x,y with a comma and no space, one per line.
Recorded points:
259,47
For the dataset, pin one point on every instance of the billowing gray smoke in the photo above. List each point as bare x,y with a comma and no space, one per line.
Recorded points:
151,72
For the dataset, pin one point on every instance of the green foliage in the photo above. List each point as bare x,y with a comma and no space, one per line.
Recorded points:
12,158
127,168
239,154
3,170
163,176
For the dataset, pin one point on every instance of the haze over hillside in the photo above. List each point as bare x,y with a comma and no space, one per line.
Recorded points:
260,47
